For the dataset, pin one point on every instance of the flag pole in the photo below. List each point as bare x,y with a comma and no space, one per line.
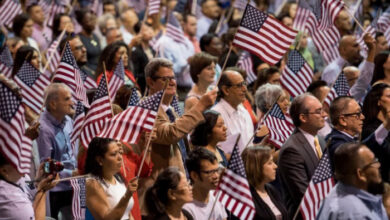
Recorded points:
52,54
218,193
217,29
357,22
150,136
331,85
193,7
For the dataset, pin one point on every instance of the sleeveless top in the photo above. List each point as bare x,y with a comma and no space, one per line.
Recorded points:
115,193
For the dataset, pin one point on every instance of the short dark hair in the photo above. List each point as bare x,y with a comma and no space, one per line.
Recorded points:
154,65
379,72
195,158
186,15
198,62
298,107
98,147
346,160
264,75
56,24
205,40
19,22
203,132
223,81
337,106
32,5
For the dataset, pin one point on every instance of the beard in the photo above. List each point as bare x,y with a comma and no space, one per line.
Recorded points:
376,188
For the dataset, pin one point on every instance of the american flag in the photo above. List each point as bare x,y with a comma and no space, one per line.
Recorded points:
320,185
78,121
14,145
134,98
154,7
241,4
69,73
387,36
8,11
52,52
297,74
340,88
245,62
303,18
384,21
89,83
97,7
174,30
128,125
117,79
79,198
327,43
153,42
33,85
51,8
263,35
6,62
234,190
176,106
279,127
97,115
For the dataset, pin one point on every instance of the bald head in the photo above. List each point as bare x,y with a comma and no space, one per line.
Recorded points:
352,73
343,23
350,50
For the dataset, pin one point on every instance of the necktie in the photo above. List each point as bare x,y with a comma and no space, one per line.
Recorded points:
318,147
181,143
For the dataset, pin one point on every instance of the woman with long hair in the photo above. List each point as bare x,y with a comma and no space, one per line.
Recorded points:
382,69
107,194
25,53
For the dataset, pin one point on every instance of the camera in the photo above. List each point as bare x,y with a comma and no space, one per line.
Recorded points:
52,167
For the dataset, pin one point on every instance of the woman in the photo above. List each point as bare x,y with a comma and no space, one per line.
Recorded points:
165,199
111,56
25,53
382,69
210,133
61,21
268,75
17,201
260,170
107,196
202,71
87,20
23,27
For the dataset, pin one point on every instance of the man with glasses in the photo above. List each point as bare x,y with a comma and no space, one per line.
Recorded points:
347,119
359,183
171,145
231,94
204,171
300,154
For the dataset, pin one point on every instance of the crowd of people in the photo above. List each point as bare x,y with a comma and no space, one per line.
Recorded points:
209,108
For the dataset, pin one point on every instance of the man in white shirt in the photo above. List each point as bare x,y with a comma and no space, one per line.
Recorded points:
232,89
204,171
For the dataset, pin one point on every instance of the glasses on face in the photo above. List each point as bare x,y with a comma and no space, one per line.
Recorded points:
79,47
164,78
355,114
241,84
375,161
319,111
211,172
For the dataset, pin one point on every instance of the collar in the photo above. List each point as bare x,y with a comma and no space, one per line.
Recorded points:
341,62
361,194
228,108
166,107
346,134
54,121
309,137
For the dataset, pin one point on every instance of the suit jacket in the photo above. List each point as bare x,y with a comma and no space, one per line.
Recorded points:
297,163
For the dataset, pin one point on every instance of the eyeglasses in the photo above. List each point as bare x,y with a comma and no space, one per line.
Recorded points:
79,47
319,111
211,172
164,78
355,114
375,161
241,84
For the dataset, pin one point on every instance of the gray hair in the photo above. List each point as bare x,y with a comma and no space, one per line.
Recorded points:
102,21
51,93
266,95
154,65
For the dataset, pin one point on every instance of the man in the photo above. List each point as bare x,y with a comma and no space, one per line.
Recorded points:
41,33
359,183
343,23
189,29
105,22
109,8
347,119
211,12
350,55
170,147
113,35
300,154
352,74
381,43
129,19
232,90
204,171
54,142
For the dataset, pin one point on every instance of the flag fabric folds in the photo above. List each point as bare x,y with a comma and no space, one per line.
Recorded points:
233,188
134,98
263,35
245,62
6,62
297,74
97,115
52,52
33,85
69,73
280,128
117,79
14,145
174,29
154,7
79,198
339,88
8,10
128,125
78,121
320,185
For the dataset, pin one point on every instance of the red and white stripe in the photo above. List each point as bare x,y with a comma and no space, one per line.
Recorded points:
77,125
116,81
329,11
154,7
8,11
78,211
280,130
53,56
